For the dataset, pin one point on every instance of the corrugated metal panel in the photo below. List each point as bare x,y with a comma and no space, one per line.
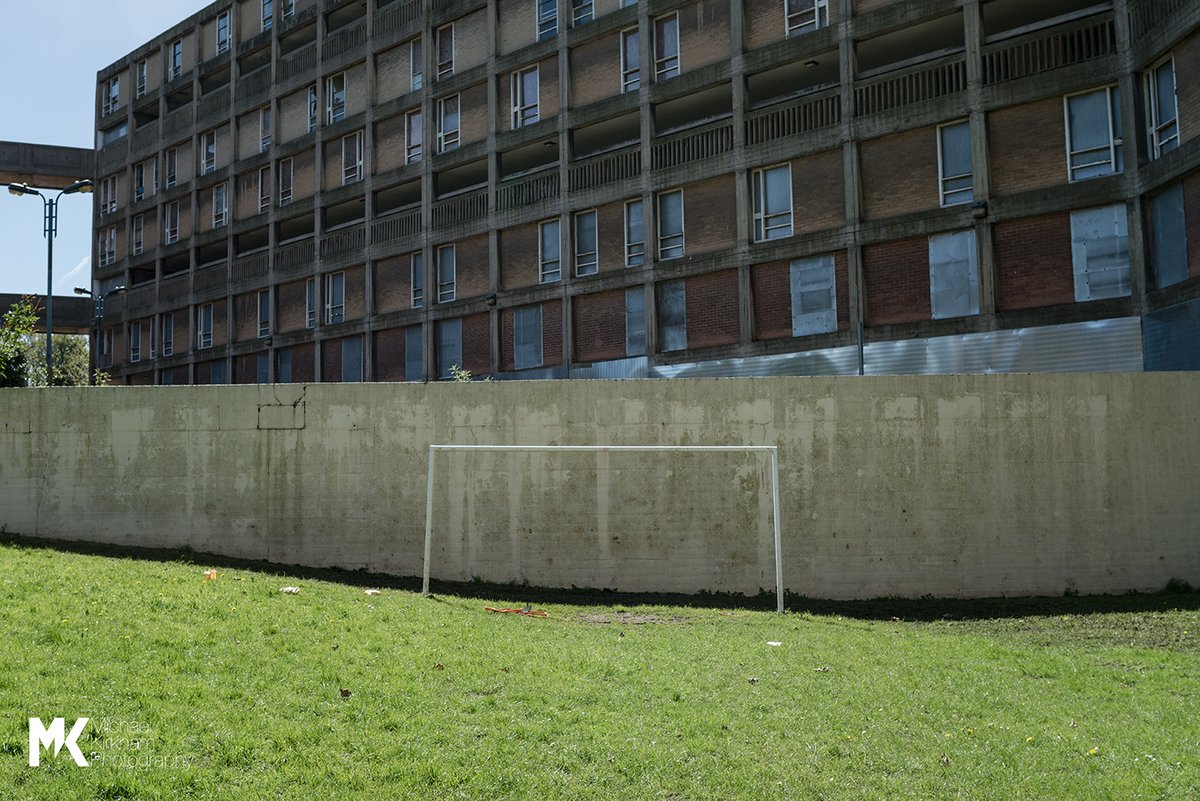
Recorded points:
634,367
832,361
1102,345
1173,337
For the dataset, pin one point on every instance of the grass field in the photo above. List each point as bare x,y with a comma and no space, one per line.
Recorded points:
230,689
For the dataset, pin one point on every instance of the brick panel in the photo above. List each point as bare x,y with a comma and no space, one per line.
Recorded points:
703,34
897,282
356,89
143,379
182,335
303,364
712,309
599,325
596,70
1187,88
471,267
552,333
1028,146
708,223
389,150
1033,262
179,375
900,173
356,293
248,135
331,361
389,355
392,284
304,174
245,369
470,40
477,344
818,192
772,299
393,73
203,373
473,119
293,115
519,256
245,317
518,25
610,237
1191,212
291,307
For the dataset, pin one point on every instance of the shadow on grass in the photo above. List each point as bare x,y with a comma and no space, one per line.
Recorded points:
1177,596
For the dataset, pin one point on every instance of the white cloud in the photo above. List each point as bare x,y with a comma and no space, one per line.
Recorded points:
76,276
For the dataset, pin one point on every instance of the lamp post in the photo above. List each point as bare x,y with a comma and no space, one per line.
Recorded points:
98,315
50,230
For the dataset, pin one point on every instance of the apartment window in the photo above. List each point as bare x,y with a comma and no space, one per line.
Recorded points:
108,195
312,109
220,205
670,225
414,136
172,160
204,327
416,279
524,94
310,303
208,152
635,234
586,259
672,315
167,326
335,298
1162,112
264,313
1094,142
955,175
111,101
135,341
283,366
582,11
352,158
108,246
443,41
1169,243
171,223
447,123
268,14
223,33
802,16
547,19
352,359
285,181
110,135
218,372
415,65
335,98
814,296
449,341
1100,252
414,354
527,337
175,60
772,203
666,47
264,129
287,8
142,71
953,275
447,278
635,321
139,181
631,61
139,233
549,251
106,346
264,188
625,3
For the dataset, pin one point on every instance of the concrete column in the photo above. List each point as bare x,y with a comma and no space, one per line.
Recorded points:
980,159
741,191
1140,278
852,185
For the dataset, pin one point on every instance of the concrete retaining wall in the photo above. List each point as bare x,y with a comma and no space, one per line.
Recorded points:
907,486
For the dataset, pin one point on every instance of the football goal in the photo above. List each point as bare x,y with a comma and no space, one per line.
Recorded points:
771,451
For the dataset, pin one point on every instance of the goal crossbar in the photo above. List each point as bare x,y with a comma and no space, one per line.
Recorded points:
771,450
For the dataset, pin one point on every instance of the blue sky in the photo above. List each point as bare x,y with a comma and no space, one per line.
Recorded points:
49,98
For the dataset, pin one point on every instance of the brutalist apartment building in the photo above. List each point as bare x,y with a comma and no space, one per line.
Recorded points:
340,190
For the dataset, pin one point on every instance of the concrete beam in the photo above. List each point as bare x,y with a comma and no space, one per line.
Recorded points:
72,314
45,166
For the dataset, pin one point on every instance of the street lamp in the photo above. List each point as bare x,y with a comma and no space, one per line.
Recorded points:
98,314
50,230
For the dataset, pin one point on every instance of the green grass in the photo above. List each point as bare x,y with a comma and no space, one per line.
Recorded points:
234,691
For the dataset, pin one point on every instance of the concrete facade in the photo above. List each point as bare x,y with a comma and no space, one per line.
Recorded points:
302,154
948,486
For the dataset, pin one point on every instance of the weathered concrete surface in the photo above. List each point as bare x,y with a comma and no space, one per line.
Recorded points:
907,486
45,166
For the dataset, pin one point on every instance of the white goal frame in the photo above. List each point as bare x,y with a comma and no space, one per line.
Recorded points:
771,450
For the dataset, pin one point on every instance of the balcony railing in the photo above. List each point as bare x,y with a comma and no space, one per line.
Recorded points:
1045,51
515,194
461,209
690,147
396,227
605,169
808,114
916,85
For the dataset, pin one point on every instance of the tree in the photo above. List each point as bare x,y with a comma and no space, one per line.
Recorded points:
15,331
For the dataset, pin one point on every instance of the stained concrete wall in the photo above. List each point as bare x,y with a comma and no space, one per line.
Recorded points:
943,485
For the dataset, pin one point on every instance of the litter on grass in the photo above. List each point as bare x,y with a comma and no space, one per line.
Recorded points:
370,592
527,612
291,590
211,575
772,642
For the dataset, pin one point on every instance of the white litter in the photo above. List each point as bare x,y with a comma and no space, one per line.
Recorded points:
371,592
772,642
291,590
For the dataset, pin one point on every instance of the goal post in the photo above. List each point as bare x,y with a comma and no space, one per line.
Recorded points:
771,450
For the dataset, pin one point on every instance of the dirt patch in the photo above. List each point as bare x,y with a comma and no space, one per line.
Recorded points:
631,618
